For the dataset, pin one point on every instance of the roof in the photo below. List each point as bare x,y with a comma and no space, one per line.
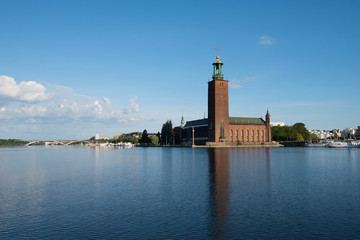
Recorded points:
196,123
246,121
232,121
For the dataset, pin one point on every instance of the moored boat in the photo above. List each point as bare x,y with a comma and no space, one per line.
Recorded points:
350,144
316,144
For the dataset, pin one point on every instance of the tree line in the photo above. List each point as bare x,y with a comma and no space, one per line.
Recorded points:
12,142
165,137
296,132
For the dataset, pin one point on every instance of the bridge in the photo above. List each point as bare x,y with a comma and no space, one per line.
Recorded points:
55,142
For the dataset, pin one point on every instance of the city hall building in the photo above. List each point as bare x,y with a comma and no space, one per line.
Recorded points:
219,127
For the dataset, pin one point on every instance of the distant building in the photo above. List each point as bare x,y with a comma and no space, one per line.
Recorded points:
132,134
275,124
97,137
337,133
219,126
119,135
322,134
348,133
357,133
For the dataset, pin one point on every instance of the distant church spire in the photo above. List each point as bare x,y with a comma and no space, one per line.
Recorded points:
267,117
182,122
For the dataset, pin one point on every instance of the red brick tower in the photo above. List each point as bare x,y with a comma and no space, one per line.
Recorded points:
268,127
218,105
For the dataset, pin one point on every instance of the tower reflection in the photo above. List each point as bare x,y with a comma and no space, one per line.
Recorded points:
219,190
233,175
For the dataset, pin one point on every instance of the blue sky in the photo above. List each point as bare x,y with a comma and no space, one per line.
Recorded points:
70,69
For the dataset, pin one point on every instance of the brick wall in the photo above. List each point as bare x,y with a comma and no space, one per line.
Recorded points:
218,109
248,133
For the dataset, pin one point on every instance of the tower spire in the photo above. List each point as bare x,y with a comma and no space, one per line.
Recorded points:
182,122
217,55
217,73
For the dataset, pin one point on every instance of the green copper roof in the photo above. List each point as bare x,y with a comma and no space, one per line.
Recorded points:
246,121
198,122
232,120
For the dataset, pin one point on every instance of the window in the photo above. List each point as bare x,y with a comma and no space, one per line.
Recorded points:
222,130
237,135
231,135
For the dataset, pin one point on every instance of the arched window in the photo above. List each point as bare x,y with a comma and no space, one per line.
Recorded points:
262,135
231,135
257,136
242,135
247,135
222,131
237,135
253,136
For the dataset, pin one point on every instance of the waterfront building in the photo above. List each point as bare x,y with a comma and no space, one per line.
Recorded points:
98,137
336,133
118,135
348,133
357,133
132,134
323,134
219,127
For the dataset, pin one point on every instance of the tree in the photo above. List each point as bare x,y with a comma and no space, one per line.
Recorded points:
167,132
297,132
154,139
300,128
299,137
145,138
159,136
313,137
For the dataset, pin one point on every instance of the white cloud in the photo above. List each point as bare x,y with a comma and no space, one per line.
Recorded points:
234,84
266,40
64,112
240,83
134,105
106,100
25,91
95,108
34,111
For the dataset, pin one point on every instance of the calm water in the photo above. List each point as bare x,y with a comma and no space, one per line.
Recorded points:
179,193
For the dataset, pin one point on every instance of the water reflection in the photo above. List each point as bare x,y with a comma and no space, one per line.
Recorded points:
219,190
235,167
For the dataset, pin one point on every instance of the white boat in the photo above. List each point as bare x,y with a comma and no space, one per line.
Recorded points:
128,145
124,145
351,144
316,144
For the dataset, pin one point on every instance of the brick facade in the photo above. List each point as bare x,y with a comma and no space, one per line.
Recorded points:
248,133
218,110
